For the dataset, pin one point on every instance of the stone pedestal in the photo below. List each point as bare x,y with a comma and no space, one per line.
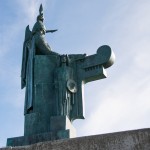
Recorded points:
61,128
127,140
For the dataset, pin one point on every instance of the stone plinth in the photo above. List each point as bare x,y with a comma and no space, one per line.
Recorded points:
127,140
61,128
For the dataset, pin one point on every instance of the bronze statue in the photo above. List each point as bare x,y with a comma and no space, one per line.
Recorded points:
34,44
54,86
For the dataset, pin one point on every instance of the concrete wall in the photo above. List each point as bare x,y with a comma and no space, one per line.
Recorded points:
127,140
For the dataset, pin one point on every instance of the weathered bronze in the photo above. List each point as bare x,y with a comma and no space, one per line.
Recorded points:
54,86
34,44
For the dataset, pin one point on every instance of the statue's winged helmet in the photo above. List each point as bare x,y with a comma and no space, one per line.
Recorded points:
40,16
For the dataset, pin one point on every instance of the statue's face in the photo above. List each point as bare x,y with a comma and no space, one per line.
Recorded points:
41,18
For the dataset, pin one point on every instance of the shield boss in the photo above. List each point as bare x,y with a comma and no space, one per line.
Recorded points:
72,86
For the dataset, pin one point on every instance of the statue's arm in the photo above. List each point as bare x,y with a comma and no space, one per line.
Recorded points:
47,31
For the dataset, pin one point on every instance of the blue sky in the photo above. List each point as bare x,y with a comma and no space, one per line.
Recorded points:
117,103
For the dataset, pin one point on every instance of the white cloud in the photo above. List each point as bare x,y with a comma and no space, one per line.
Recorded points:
30,9
122,103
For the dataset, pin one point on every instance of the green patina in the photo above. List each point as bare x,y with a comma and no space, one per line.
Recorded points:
54,86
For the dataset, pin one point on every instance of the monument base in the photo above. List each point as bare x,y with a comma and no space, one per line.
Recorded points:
127,140
60,128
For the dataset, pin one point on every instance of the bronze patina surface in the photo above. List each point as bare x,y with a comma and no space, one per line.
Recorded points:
54,86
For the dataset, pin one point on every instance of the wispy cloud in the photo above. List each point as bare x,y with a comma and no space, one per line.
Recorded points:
30,9
123,103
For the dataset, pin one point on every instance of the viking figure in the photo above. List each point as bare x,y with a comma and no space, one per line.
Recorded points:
38,31
34,44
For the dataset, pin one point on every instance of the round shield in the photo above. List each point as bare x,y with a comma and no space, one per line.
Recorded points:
72,86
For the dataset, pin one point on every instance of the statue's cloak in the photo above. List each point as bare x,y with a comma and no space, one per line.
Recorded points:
27,69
